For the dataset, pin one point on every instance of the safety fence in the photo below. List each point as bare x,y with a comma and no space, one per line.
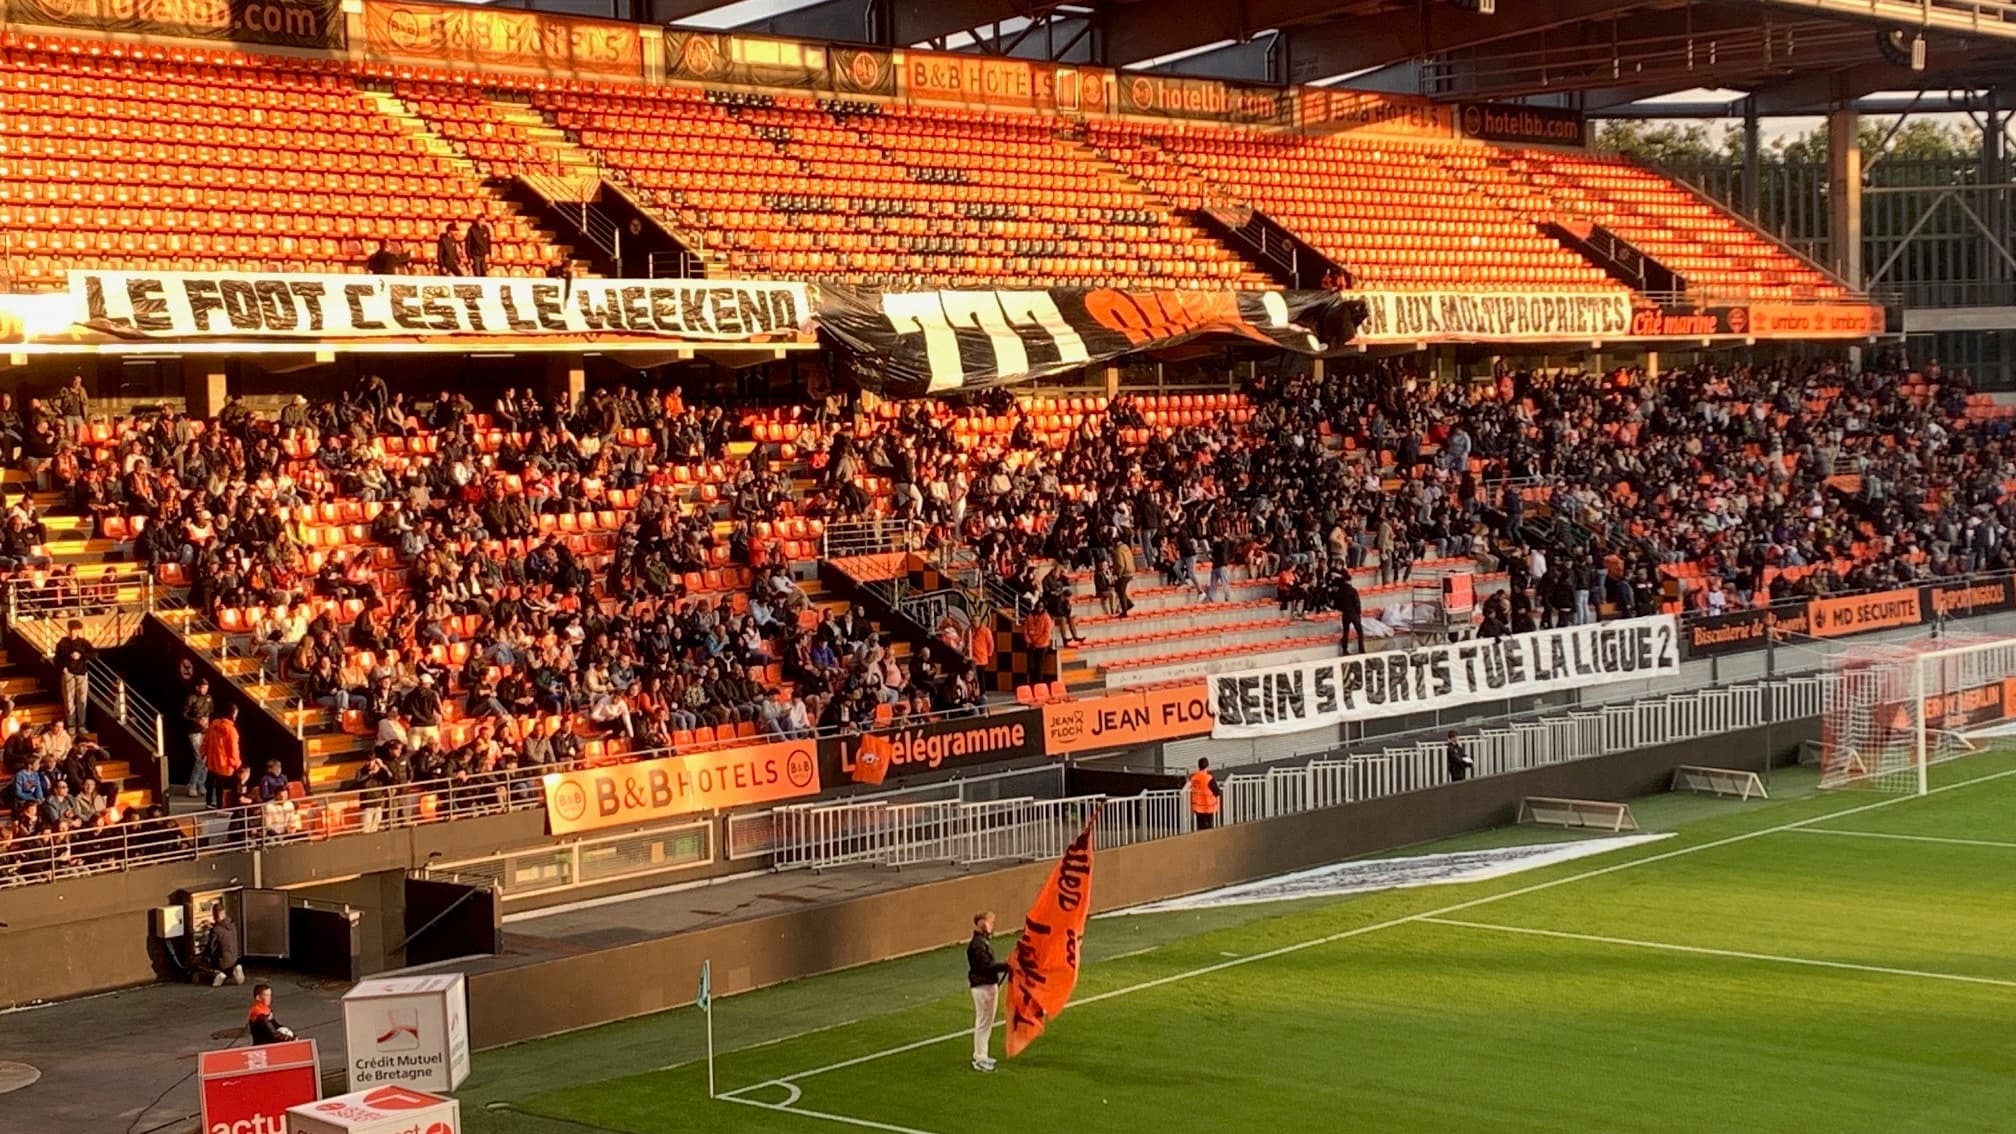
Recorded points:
897,833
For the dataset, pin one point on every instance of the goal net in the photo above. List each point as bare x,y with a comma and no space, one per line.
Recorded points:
1891,710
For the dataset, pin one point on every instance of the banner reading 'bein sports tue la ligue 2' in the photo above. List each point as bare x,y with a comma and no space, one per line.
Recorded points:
1306,695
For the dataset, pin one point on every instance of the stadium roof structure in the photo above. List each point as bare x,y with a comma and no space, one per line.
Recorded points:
1788,56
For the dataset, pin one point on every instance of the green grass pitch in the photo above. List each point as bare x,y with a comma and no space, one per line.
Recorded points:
1842,962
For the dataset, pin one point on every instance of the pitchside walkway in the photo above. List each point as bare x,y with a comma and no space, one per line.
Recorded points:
123,1062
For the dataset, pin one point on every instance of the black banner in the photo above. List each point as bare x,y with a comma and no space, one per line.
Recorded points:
1689,322
1733,633
1967,598
1523,125
717,57
862,70
907,344
315,24
967,742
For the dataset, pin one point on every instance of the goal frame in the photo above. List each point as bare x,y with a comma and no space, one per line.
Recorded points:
1931,712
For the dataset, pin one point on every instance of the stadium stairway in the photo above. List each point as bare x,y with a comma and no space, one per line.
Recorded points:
1714,250
418,127
506,137
1171,633
36,705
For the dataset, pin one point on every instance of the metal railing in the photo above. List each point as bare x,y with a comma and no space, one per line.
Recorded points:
236,830
93,592
558,867
43,623
842,539
755,834
887,833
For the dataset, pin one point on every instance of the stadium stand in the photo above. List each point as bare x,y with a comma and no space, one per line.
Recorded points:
317,161
1413,223
865,193
181,159
1716,253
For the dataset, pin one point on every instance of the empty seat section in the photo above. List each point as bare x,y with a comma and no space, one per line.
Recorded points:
1392,212
892,196
187,159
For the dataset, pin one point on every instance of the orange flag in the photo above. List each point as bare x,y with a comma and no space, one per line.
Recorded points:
871,758
1044,968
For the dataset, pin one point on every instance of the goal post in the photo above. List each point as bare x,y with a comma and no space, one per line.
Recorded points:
1892,710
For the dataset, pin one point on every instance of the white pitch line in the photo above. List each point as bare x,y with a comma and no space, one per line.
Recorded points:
1737,954
1908,838
1459,907
845,1119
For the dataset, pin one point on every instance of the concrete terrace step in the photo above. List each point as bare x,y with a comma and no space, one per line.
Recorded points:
1152,668
1150,593
1193,615
1118,648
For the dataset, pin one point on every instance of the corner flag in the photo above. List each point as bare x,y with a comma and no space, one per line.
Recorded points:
1044,968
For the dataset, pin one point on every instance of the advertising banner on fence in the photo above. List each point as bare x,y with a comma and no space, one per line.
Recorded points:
1306,695
862,70
1815,320
1173,96
907,344
1126,717
750,61
501,37
1335,110
965,741
1523,125
1735,632
1478,316
249,1089
1834,617
1966,599
313,24
241,305
983,80
621,794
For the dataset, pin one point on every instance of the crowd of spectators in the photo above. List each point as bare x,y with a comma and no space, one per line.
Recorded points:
1588,490
468,596
551,575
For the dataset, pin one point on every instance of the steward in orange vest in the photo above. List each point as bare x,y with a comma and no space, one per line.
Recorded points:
1204,795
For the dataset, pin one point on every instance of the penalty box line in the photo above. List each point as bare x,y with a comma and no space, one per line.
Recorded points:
789,1081
1706,951
1940,839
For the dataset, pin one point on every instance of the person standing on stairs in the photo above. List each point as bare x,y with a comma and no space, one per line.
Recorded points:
196,711
73,656
448,251
477,242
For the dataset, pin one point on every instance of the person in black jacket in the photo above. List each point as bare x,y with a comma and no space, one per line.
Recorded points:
448,251
261,1022
983,976
477,242
1459,761
1350,610
218,960
73,656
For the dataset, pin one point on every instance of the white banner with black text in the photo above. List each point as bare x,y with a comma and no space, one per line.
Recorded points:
1357,687
1493,316
284,305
